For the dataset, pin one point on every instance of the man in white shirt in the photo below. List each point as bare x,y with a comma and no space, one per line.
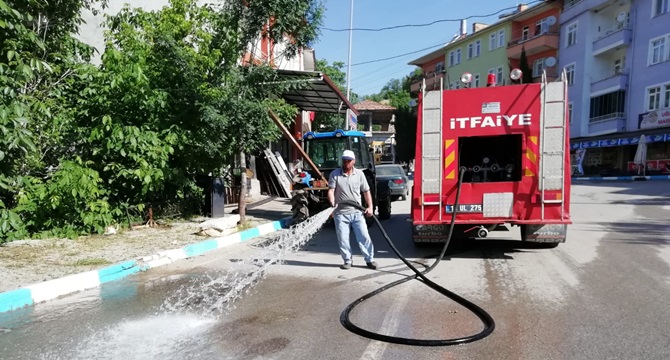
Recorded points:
346,184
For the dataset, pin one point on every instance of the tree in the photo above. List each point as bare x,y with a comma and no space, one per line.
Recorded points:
85,145
397,91
527,72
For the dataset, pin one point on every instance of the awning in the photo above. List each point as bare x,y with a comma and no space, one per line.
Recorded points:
319,94
632,138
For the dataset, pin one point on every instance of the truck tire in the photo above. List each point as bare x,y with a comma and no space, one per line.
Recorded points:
385,208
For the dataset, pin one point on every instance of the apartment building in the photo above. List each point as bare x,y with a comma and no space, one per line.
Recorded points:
496,49
617,57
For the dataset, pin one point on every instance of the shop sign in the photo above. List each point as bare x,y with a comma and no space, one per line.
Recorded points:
654,119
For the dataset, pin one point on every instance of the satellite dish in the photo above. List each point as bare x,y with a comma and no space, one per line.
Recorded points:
550,61
621,17
551,20
515,74
466,78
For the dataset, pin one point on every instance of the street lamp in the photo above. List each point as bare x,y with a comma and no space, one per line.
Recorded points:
351,33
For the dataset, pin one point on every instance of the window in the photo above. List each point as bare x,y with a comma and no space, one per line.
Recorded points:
524,33
571,35
608,106
619,65
470,50
476,80
570,112
541,27
570,73
451,58
660,7
493,41
501,38
478,47
458,56
654,98
499,75
538,65
658,97
439,67
658,50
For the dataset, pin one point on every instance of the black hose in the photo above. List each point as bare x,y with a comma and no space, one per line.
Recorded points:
489,324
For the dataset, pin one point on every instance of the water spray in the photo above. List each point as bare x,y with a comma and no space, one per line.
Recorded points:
489,324
216,294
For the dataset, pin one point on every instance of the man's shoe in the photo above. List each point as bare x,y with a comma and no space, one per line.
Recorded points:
371,265
346,266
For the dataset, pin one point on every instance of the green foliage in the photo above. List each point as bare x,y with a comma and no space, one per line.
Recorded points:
397,91
84,146
72,202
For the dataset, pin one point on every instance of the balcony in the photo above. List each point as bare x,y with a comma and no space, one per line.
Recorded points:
615,81
609,123
619,35
572,8
432,83
547,40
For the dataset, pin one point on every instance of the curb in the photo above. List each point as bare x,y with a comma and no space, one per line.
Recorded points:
52,289
622,178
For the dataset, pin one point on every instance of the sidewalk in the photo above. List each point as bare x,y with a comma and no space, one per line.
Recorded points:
266,215
621,178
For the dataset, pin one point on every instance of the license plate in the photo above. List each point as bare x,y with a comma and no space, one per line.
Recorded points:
464,208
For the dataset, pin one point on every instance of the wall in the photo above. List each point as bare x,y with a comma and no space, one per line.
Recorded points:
482,63
643,75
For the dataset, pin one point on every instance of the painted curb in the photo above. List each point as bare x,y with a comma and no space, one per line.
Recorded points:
52,289
621,178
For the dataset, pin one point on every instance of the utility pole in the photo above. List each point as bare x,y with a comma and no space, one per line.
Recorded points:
351,32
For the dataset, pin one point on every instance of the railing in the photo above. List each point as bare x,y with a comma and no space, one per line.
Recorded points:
552,72
615,29
612,74
611,116
550,30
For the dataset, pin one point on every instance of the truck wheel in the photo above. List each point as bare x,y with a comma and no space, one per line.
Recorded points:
385,208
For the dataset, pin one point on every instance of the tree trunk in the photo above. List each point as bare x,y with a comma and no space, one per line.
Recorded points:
242,203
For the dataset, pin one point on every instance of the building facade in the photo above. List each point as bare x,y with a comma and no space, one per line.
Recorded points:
616,55
496,49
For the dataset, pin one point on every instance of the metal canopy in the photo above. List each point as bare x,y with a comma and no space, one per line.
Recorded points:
319,94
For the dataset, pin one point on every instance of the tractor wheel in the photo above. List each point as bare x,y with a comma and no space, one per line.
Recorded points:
385,208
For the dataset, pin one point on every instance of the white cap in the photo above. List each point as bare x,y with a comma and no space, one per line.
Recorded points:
348,155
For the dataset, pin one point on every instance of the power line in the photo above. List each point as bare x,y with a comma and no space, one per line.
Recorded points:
397,56
430,23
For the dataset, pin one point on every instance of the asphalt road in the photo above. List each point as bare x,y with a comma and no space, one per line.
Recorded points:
601,295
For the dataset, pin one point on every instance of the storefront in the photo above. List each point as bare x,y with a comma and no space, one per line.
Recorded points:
614,156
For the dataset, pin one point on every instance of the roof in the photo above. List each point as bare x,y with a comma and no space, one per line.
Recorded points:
318,94
372,106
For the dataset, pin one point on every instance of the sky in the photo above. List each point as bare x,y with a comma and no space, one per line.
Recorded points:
367,46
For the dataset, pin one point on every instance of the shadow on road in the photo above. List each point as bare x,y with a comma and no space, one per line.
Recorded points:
646,233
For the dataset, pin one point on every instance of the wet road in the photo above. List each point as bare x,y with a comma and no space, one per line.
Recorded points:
602,295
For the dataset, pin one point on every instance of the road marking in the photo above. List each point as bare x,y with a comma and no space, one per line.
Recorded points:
376,349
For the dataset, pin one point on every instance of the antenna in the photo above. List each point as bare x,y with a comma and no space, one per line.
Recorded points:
550,61
551,20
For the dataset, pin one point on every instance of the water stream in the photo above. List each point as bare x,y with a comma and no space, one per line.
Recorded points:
176,330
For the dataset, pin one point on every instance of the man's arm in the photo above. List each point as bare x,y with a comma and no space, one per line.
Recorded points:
331,197
368,200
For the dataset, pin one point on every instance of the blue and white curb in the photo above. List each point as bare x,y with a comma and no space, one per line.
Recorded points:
52,289
621,178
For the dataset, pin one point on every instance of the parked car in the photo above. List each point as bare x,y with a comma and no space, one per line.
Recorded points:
398,182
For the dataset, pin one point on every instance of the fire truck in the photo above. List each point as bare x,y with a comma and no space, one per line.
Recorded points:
491,157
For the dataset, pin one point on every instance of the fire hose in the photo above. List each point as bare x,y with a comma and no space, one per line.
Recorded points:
489,324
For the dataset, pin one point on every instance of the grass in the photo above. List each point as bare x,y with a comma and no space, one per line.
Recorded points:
90,262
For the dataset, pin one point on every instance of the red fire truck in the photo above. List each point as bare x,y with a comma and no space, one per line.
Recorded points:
506,148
